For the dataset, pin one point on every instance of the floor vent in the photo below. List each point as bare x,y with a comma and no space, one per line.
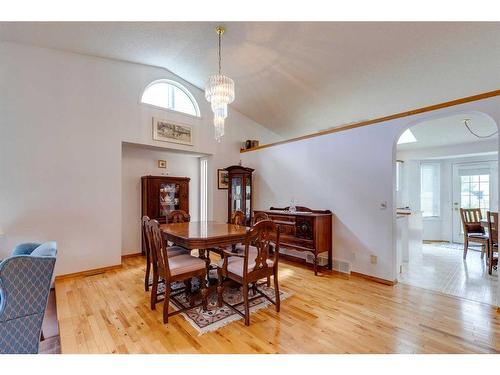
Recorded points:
342,266
338,265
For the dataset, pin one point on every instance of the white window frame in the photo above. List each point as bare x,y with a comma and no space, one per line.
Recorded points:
436,213
179,86
399,175
203,189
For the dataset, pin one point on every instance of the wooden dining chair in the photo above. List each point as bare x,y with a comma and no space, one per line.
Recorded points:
145,248
181,268
178,216
238,217
253,265
473,230
493,241
259,216
171,250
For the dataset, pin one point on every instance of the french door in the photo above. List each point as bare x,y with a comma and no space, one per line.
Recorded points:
474,186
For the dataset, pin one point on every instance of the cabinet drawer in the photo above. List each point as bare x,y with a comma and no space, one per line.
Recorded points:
286,228
283,218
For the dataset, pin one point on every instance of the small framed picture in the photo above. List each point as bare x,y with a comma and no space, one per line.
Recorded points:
162,164
168,131
222,179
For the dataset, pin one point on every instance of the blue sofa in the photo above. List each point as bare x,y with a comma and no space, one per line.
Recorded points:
25,279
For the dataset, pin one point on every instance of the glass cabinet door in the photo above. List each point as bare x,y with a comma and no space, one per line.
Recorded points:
248,197
236,194
169,198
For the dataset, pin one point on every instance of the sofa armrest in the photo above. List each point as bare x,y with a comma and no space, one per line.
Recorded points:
25,248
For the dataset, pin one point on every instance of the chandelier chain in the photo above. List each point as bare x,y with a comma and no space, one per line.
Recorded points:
219,52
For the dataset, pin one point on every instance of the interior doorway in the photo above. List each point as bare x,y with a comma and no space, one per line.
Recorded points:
442,166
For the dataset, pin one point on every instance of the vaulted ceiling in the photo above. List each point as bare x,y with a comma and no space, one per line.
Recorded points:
297,78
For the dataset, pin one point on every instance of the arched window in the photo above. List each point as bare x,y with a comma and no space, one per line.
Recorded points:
170,95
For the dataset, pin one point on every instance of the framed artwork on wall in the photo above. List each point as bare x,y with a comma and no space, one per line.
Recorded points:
162,164
222,179
169,131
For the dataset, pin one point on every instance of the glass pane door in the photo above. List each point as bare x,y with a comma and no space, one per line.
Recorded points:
169,198
236,194
248,196
475,192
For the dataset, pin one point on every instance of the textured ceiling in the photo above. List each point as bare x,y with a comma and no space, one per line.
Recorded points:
451,130
293,78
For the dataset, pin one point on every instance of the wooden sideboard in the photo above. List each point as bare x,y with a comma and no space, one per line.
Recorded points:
304,230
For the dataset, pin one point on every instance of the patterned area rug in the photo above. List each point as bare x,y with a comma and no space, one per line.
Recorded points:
217,317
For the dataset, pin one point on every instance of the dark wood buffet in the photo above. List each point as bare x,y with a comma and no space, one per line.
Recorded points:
304,230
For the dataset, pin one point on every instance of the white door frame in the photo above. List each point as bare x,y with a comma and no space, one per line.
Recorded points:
492,165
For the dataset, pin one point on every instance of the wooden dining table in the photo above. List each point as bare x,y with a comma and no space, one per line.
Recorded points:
204,234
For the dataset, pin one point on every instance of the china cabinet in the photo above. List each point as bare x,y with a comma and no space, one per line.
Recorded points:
162,194
240,191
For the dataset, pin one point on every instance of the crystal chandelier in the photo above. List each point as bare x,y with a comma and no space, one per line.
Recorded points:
219,91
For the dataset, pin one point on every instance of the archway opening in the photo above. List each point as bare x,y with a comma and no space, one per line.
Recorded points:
443,165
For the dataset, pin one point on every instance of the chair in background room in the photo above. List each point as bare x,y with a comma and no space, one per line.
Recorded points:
25,279
238,218
178,216
259,216
493,238
473,230
253,265
179,268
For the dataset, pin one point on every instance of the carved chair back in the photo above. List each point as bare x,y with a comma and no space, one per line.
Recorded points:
493,228
158,250
144,221
259,216
178,216
238,217
471,220
264,236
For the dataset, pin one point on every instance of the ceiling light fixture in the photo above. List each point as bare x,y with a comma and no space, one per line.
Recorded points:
466,123
219,91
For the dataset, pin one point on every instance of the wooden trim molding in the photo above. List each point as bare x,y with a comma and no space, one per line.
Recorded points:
375,279
131,255
412,112
95,271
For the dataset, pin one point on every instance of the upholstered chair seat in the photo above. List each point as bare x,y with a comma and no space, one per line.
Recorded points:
185,263
478,235
236,265
25,279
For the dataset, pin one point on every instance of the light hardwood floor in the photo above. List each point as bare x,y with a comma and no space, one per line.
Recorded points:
109,313
441,267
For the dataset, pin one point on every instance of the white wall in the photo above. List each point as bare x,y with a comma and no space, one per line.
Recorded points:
138,161
351,173
63,118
